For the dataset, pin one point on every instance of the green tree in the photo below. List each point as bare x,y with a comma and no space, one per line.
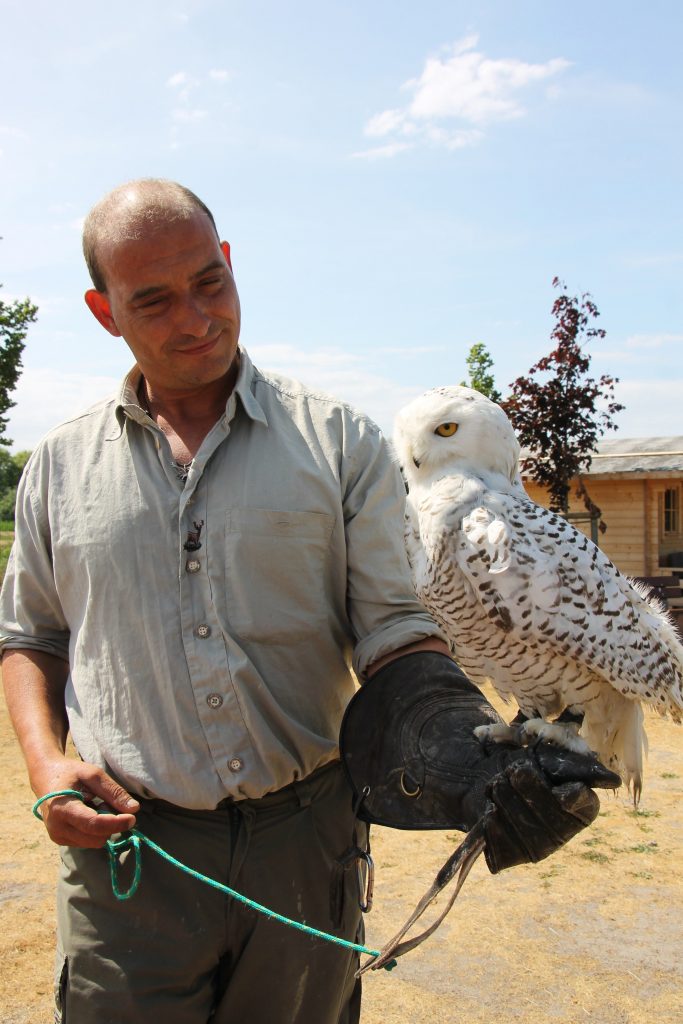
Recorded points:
11,468
555,410
479,364
15,318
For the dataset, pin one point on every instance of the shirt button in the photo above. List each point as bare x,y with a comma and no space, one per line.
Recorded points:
202,631
214,700
193,565
235,764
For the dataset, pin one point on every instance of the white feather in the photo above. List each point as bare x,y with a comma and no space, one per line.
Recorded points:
527,601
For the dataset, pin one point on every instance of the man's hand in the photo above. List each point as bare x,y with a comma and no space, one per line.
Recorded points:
538,802
69,822
34,687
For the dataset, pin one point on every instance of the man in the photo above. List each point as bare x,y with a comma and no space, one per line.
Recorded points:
198,563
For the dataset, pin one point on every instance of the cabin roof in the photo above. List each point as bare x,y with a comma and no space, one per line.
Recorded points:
637,455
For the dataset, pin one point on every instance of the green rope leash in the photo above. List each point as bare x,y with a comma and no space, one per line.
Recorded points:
132,841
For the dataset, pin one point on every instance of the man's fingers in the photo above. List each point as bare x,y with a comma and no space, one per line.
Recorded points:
115,796
579,800
71,823
527,819
88,821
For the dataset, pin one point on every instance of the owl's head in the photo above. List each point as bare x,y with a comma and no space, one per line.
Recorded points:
454,430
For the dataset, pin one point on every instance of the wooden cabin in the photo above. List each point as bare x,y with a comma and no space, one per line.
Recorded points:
638,485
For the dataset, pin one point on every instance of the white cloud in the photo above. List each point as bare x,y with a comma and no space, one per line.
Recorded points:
453,140
187,114
384,123
46,397
381,152
649,341
190,102
13,133
410,353
461,85
337,372
178,79
649,410
653,260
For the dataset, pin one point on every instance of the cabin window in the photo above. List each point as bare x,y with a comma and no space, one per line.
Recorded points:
672,510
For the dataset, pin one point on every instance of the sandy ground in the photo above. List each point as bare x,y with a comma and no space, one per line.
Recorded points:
595,933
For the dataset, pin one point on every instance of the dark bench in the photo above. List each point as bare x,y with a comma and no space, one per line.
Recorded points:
666,588
669,590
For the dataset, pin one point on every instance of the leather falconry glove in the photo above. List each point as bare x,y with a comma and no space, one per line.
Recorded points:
409,751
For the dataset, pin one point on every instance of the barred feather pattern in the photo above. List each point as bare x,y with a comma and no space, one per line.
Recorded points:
528,602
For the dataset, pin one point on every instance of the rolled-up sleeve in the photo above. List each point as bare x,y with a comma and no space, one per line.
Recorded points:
382,607
31,615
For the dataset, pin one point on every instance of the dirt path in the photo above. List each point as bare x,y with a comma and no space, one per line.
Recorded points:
594,934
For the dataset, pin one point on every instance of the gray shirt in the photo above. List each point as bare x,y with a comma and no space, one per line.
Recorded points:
224,671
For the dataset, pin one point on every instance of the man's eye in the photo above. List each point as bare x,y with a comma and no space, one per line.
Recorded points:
211,282
150,303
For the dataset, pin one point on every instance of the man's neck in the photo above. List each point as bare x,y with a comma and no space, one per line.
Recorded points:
187,416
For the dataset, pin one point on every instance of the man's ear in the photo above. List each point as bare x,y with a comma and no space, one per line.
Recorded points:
98,304
225,246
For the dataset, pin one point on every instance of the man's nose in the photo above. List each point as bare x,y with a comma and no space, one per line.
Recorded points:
192,318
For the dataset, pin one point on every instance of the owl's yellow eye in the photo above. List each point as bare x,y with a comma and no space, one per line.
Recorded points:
446,429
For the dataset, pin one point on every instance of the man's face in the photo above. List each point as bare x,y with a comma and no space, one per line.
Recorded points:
172,297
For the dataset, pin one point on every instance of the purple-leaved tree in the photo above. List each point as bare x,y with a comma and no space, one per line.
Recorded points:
558,411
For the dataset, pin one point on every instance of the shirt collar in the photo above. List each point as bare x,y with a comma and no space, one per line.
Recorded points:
244,388
128,403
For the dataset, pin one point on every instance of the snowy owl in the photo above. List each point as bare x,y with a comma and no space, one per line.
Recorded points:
527,601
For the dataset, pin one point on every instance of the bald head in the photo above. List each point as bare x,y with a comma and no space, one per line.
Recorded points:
131,211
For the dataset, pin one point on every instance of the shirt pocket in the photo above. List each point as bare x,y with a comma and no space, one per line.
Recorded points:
276,573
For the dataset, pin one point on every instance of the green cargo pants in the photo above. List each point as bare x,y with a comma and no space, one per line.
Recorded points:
183,953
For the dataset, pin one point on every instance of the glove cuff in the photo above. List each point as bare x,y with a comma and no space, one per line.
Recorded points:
408,747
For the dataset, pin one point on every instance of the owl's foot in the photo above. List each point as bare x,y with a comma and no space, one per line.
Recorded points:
499,733
525,732
536,730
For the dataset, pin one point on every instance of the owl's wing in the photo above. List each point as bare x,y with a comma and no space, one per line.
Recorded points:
541,581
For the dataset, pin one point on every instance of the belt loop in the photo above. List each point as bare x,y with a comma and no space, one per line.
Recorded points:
242,821
303,793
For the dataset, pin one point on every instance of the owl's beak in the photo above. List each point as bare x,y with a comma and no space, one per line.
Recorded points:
416,463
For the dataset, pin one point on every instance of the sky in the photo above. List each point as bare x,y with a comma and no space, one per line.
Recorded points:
397,182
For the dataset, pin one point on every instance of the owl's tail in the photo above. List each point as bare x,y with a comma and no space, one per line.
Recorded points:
622,743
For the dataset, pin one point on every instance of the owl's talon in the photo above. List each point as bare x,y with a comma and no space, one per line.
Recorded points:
536,730
499,733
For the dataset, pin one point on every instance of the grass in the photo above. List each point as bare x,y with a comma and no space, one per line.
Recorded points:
550,873
6,538
596,856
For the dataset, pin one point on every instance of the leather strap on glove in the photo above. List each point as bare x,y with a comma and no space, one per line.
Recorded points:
408,747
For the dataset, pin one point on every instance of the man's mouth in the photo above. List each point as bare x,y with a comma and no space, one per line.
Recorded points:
199,348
